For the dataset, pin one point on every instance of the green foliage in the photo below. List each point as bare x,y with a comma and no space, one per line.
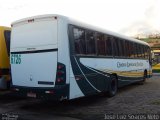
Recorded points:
150,40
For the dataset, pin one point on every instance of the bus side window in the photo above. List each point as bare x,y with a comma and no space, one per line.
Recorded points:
139,51
127,48
7,35
101,48
108,45
121,47
131,50
134,50
79,38
115,46
90,42
149,52
143,52
146,53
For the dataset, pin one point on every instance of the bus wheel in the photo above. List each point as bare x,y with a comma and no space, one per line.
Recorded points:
144,78
113,86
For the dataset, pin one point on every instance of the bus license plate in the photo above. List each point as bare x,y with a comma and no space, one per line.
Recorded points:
33,95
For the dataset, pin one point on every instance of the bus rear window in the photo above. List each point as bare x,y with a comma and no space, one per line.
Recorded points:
7,35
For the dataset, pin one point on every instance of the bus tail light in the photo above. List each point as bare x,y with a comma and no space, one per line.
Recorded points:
61,74
60,66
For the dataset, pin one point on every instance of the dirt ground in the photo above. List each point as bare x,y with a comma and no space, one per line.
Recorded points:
132,99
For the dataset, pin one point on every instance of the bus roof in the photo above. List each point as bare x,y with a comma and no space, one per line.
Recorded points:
80,24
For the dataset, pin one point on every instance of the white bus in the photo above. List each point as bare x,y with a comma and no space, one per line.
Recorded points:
55,57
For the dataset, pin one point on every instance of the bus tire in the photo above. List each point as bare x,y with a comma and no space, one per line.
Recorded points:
144,78
113,86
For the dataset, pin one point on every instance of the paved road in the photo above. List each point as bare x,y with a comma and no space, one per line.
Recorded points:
132,99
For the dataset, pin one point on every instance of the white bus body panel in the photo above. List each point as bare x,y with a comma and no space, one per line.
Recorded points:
33,69
119,66
63,46
64,57
39,35
75,91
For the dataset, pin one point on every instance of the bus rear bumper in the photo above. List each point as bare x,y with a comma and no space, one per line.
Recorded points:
59,92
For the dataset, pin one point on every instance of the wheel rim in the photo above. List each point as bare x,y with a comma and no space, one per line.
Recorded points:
113,85
145,76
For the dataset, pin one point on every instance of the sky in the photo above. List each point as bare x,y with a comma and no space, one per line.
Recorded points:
127,17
